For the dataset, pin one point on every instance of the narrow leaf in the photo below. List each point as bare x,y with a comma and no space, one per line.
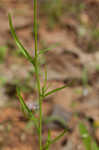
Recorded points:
26,109
55,90
85,77
21,47
87,140
44,88
95,146
56,139
42,51
48,140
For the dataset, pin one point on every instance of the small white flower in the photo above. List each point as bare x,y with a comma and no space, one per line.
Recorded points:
32,105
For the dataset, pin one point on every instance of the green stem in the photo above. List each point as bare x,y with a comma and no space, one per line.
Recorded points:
37,74
40,115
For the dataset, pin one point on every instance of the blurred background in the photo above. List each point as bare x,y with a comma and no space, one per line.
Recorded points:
70,29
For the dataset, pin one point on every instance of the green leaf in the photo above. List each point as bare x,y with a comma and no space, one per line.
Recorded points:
2,80
87,140
55,90
48,140
21,47
95,146
26,110
85,77
44,88
29,125
42,51
3,50
59,136
55,139
24,106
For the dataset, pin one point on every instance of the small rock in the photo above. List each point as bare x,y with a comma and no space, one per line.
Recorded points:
59,117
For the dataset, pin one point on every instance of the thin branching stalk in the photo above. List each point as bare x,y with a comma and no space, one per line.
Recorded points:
37,73
42,92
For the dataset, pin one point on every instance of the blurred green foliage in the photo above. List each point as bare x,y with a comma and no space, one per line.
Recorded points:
3,52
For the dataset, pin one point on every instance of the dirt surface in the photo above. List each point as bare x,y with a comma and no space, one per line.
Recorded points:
73,38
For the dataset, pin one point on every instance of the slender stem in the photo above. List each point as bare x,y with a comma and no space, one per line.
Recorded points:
35,26
37,74
40,125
